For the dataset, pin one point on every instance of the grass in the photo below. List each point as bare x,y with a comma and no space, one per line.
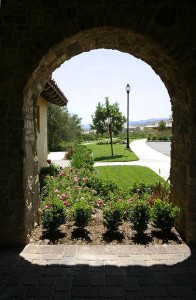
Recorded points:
103,153
126,176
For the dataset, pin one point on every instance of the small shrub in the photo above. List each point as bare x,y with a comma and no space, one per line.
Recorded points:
51,170
113,215
163,215
103,188
82,158
53,215
155,190
108,141
69,149
81,213
142,188
140,215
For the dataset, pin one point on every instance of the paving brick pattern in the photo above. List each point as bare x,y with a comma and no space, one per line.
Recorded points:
98,272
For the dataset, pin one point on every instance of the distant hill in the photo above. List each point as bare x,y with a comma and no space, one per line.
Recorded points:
86,127
148,121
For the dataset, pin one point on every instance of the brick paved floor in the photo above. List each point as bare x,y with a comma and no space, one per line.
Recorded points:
98,272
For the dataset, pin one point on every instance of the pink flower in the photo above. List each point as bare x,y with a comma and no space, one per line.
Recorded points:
99,202
65,203
46,206
63,196
131,199
62,173
56,191
75,179
85,179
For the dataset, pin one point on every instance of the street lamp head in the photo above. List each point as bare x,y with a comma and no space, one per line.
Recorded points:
128,88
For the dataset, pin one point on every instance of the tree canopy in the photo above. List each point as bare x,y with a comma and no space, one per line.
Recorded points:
162,126
62,126
101,115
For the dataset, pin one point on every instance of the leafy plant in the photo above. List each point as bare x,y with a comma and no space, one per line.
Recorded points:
51,169
82,158
69,149
157,189
81,213
113,215
163,215
53,215
102,187
140,215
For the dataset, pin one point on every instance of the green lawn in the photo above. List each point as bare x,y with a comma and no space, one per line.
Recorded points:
103,153
126,176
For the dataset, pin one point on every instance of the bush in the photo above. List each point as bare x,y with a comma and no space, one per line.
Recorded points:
113,215
140,215
155,190
82,158
69,149
53,215
51,170
163,215
81,213
108,141
103,188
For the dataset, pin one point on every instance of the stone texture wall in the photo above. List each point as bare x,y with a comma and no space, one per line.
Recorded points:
38,36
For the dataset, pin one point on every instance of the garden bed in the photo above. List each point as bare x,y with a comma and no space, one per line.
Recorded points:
96,234
79,208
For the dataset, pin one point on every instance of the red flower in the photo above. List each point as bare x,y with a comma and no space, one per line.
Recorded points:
49,161
65,203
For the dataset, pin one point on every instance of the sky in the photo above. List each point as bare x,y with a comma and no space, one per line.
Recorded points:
88,78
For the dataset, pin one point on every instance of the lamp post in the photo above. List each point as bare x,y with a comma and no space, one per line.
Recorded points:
128,88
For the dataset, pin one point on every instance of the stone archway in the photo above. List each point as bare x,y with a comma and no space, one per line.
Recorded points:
141,47
38,37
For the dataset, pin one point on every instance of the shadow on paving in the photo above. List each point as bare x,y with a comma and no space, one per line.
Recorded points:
56,272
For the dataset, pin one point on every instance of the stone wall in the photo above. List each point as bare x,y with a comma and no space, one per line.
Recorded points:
38,36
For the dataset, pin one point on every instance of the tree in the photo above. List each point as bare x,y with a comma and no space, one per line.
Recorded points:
101,115
162,126
62,126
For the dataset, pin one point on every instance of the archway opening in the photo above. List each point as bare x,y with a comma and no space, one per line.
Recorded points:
125,41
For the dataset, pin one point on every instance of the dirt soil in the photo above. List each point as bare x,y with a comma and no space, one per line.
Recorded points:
96,234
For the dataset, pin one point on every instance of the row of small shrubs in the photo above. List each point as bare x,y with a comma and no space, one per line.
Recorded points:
158,138
108,141
161,213
139,212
